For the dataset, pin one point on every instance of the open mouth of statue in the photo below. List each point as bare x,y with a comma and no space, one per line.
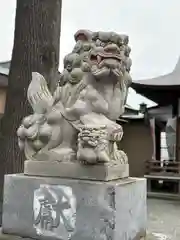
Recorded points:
100,57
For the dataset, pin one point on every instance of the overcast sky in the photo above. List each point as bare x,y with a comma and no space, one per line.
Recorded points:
153,28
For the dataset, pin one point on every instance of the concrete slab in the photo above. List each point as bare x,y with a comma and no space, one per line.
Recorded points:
57,208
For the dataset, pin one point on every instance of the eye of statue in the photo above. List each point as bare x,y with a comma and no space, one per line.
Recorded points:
102,44
98,42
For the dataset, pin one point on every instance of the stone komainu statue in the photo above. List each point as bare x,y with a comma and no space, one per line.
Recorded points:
78,122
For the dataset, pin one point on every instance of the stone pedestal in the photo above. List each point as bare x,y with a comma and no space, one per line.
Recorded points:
57,208
75,170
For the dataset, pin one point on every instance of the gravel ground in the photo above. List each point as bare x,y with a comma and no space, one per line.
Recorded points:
163,220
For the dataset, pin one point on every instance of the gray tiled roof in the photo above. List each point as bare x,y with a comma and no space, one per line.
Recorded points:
170,79
4,67
4,71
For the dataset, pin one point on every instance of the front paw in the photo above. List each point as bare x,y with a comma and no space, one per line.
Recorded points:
87,156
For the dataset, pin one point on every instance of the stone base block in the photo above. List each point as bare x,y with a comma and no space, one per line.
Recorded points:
75,170
57,208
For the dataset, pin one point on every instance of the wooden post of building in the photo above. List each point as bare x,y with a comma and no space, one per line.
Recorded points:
175,114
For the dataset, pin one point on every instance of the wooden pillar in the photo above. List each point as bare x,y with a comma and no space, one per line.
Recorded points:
175,114
158,142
